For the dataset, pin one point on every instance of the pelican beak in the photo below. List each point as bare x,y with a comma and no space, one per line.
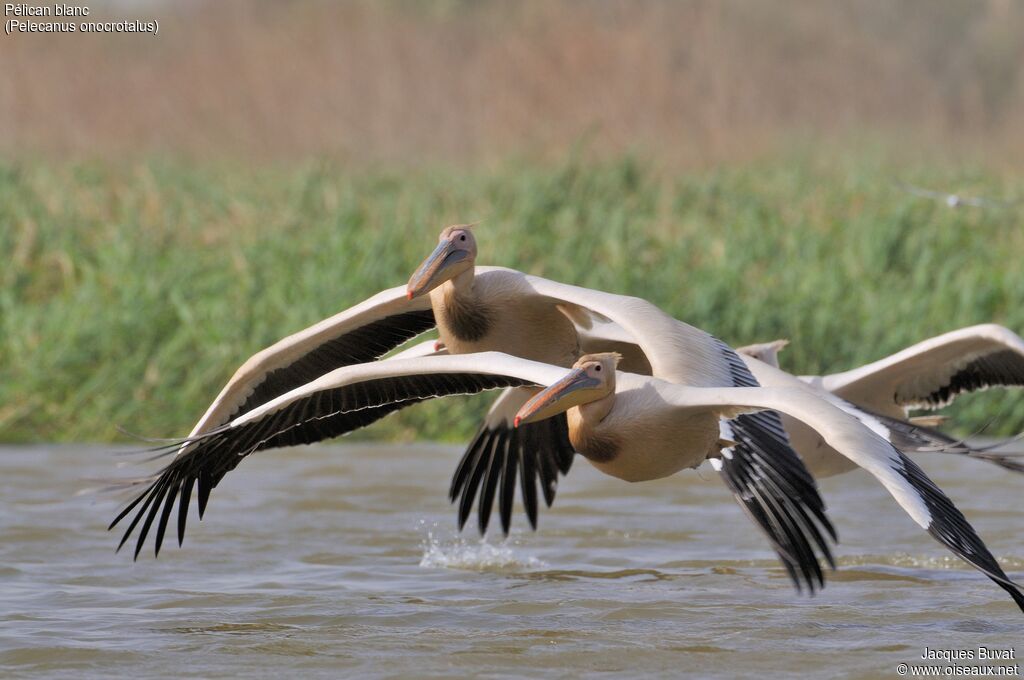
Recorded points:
440,266
574,389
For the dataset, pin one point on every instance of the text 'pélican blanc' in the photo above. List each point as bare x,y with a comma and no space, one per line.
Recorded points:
22,18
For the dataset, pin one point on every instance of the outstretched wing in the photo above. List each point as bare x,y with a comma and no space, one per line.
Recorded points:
337,403
906,482
932,373
766,476
923,193
911,437
359,334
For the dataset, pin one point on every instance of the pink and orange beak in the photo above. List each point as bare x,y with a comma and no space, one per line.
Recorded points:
574,389
440,266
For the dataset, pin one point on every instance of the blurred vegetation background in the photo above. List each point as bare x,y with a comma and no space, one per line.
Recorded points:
170,204
405,81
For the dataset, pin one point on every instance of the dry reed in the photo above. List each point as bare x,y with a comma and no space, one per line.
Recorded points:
471,81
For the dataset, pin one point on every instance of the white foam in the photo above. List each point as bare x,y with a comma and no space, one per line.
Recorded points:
455,552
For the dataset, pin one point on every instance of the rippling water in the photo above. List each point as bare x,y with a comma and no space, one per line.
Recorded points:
342,560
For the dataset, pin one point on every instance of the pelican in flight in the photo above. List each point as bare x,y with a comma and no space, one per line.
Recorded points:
952,200
490,309
495,309
926,376
628,426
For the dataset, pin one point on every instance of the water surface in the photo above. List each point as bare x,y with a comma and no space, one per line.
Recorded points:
343,560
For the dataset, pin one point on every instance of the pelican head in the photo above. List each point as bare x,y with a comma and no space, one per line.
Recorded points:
455,253
592,378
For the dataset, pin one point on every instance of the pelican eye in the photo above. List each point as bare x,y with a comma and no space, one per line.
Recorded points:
462,238
597,368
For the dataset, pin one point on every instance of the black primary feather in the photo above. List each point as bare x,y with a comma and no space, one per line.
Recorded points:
496,463
909,438
325,414
361,345
780,498
774,488
507,491
539,450
1004,368
949,527
527,482
476,474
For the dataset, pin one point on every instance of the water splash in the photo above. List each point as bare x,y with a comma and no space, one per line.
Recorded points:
455,552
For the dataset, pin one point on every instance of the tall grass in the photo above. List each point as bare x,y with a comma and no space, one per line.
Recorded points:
129,293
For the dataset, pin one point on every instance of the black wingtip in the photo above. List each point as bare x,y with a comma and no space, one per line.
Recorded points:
148,496
1015,593
154,506
466,464
1010,462
500,453
527,482
495,463
204,494
186,495
507,484
950,528
161,526
566,454
477,467
775,490
128,508
910,437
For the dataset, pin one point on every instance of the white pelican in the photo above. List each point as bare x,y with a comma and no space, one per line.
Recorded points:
628,426
491,308
927,375
376,326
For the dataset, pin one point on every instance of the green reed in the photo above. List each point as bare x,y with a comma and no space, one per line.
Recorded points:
130,293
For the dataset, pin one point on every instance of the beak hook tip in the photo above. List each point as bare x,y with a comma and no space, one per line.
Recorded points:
515,422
